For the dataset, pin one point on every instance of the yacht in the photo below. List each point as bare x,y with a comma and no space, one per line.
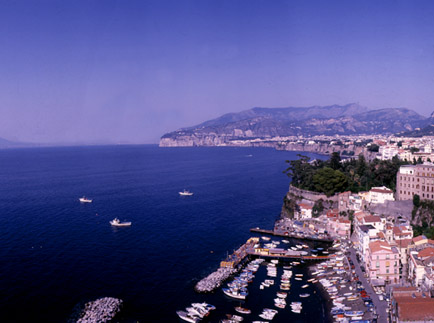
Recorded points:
116,223
85,200
185,193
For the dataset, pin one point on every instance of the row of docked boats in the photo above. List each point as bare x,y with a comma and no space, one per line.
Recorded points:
238,287
332,276
196,312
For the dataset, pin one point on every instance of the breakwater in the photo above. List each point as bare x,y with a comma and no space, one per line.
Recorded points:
228,267
214,280
98,311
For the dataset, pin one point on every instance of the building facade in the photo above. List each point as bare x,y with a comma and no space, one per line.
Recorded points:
415,179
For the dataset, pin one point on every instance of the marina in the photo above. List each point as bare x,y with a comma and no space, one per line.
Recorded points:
292,235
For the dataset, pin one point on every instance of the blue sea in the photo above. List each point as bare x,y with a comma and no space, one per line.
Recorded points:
56,252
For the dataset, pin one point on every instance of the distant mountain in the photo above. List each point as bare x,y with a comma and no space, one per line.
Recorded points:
426,129
316,120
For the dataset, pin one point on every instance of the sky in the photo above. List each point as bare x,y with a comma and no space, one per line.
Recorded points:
126,71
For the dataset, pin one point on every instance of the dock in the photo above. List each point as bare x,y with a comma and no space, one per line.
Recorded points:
284,256
291,235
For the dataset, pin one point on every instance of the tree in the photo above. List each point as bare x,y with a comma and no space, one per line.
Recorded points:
335,161
329,181
416,200
373,148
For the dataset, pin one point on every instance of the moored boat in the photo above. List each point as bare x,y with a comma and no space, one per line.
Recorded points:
242,310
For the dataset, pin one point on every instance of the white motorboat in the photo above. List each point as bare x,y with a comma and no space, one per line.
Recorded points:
116,223
185,193
85,200
188,317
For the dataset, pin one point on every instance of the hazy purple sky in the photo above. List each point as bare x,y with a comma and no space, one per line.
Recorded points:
86,71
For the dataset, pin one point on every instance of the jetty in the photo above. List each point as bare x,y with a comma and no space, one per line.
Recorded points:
293,235
231,265
98,311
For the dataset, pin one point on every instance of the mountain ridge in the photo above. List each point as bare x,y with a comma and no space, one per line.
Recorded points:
349,119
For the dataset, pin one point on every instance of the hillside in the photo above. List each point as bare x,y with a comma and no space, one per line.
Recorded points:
272,122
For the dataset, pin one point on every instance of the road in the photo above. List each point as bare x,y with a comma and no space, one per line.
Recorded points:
379,305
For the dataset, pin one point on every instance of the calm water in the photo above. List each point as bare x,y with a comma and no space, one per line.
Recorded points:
56,252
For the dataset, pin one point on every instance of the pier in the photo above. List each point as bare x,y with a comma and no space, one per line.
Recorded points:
291,235
228,267
285,256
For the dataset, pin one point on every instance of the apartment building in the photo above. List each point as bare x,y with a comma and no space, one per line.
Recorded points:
415,179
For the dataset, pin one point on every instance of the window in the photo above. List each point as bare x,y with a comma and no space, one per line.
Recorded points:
377,264
387,271
387,264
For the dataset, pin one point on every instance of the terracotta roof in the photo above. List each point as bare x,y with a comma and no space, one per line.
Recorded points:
305,206
372,218
377,190
415,309
419,238
403,243
378,246
425,253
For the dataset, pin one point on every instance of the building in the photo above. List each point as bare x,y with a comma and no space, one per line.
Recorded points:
418,262
415,179
380,195
410,305
382,262
305,211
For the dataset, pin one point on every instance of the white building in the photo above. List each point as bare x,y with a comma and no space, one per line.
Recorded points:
378,195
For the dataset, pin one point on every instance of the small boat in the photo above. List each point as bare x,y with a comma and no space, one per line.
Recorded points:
116,223
234,317
85,200
354,313
185,193
304,295
266,238
188,317
242,310
305,286
235,293
282,294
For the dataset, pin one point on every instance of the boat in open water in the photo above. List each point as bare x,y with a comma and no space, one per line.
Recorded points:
185,193
85,200
116,223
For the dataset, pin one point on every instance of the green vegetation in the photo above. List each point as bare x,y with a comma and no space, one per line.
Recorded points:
334,176
421,230
423,217
373,147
